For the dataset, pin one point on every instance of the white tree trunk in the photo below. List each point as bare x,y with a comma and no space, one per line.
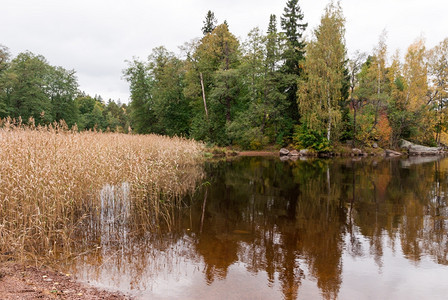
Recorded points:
203,95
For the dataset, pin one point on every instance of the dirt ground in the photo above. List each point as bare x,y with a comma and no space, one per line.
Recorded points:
27,282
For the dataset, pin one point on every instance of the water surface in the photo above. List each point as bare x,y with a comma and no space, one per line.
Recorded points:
260,228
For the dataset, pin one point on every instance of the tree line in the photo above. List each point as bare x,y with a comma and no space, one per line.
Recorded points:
275,87
32,88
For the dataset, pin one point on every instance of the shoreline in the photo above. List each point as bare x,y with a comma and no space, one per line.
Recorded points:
21,281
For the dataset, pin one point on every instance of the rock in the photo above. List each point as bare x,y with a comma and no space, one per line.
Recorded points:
415,149
305,152
375,145
423,150
392,153
294,153
284,152
356,152
405,144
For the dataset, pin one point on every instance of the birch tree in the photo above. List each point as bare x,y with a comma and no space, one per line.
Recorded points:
319,94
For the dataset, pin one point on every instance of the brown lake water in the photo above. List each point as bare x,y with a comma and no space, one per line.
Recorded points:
260,228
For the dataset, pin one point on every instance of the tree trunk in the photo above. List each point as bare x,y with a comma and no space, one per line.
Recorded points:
329,118
354,124
203,95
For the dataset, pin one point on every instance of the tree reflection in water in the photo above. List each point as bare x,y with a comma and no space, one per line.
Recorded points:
284,224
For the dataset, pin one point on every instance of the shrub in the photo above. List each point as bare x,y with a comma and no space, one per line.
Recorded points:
310,139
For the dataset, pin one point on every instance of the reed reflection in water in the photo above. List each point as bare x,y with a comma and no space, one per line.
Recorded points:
266,229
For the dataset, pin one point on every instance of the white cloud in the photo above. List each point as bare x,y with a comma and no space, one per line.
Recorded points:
95,37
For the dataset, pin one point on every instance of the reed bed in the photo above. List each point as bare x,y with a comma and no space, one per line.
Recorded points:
53,183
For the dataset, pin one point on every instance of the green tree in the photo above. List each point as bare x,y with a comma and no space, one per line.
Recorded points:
354,67
438,74
373,92
209,23
319,95
294,54
4,64
62,91
27,79
213,74
115,116
90,112
141,105
170,105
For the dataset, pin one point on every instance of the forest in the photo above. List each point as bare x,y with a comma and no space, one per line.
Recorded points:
275,87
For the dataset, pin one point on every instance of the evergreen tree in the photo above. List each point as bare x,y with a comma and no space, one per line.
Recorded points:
293,27
209,23
272,50
216,59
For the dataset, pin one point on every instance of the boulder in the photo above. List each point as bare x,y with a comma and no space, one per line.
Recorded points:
305,152
294,153
405,144
415,149
392,153
284,152
423,150
356,152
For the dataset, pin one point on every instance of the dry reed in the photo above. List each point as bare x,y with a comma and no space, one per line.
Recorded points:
52,179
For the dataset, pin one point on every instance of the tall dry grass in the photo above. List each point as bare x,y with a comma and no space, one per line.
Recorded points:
53,183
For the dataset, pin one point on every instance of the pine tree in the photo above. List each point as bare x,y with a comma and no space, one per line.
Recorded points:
272,43
293,27
291,22
209,23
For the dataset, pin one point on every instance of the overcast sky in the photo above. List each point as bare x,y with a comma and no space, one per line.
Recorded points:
95,37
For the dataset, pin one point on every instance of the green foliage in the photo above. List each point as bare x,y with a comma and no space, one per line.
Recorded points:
321,92
26,88
141,106
209,23
293,27
306,138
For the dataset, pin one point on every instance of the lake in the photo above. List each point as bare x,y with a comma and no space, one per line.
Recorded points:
260,228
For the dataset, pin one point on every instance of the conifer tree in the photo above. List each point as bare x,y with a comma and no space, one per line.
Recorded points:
293,28
209,23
